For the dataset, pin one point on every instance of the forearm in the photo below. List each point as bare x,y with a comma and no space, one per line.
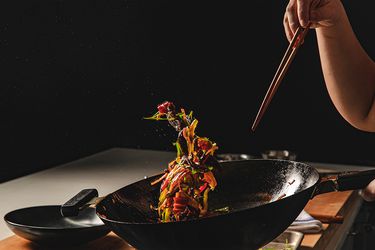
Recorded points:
349,73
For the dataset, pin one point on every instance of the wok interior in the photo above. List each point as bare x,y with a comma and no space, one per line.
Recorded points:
241,185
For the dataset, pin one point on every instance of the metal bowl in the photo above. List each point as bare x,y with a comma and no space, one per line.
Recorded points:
234,157
287,240
279,154
45,225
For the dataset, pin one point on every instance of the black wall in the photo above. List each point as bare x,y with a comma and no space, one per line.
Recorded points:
78,76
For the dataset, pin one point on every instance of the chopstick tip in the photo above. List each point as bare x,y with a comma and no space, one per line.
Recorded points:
253,127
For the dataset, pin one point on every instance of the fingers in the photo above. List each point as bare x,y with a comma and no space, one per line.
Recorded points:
303,12
288,31
292,17
297,14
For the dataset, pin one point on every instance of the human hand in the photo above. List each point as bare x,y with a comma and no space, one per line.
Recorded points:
368,193
319,13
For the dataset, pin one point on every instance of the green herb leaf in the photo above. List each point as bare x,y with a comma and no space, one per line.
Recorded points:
178,148
222,210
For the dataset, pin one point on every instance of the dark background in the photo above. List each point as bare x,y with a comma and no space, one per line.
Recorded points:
77,77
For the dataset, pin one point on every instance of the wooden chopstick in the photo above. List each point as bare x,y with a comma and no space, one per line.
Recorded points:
280,73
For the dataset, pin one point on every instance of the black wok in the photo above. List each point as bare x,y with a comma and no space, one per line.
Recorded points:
264,197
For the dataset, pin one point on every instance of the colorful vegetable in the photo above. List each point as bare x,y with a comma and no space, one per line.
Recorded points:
189,178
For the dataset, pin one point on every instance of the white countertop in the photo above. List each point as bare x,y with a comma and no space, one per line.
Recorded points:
106,171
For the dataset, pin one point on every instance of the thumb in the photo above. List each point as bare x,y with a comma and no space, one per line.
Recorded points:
321,17
316,16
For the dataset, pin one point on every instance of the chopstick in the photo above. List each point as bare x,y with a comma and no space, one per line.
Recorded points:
280,73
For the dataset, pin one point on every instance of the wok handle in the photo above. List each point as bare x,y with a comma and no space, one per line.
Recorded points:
78,202
344,181
354,180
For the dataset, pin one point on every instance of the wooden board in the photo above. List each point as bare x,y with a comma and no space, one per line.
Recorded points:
108,242
326,205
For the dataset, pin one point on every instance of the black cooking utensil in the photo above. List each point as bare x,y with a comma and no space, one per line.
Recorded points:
45,225
80,201
264,197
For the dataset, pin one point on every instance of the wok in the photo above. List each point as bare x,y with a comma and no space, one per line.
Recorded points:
264,197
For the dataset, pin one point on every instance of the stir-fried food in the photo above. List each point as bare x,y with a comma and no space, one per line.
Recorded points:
189,178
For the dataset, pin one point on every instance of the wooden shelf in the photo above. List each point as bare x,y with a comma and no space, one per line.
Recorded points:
346,204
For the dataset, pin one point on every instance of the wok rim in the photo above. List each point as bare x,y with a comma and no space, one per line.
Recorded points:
194,220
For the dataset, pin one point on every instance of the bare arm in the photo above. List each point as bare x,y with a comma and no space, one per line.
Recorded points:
348,71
